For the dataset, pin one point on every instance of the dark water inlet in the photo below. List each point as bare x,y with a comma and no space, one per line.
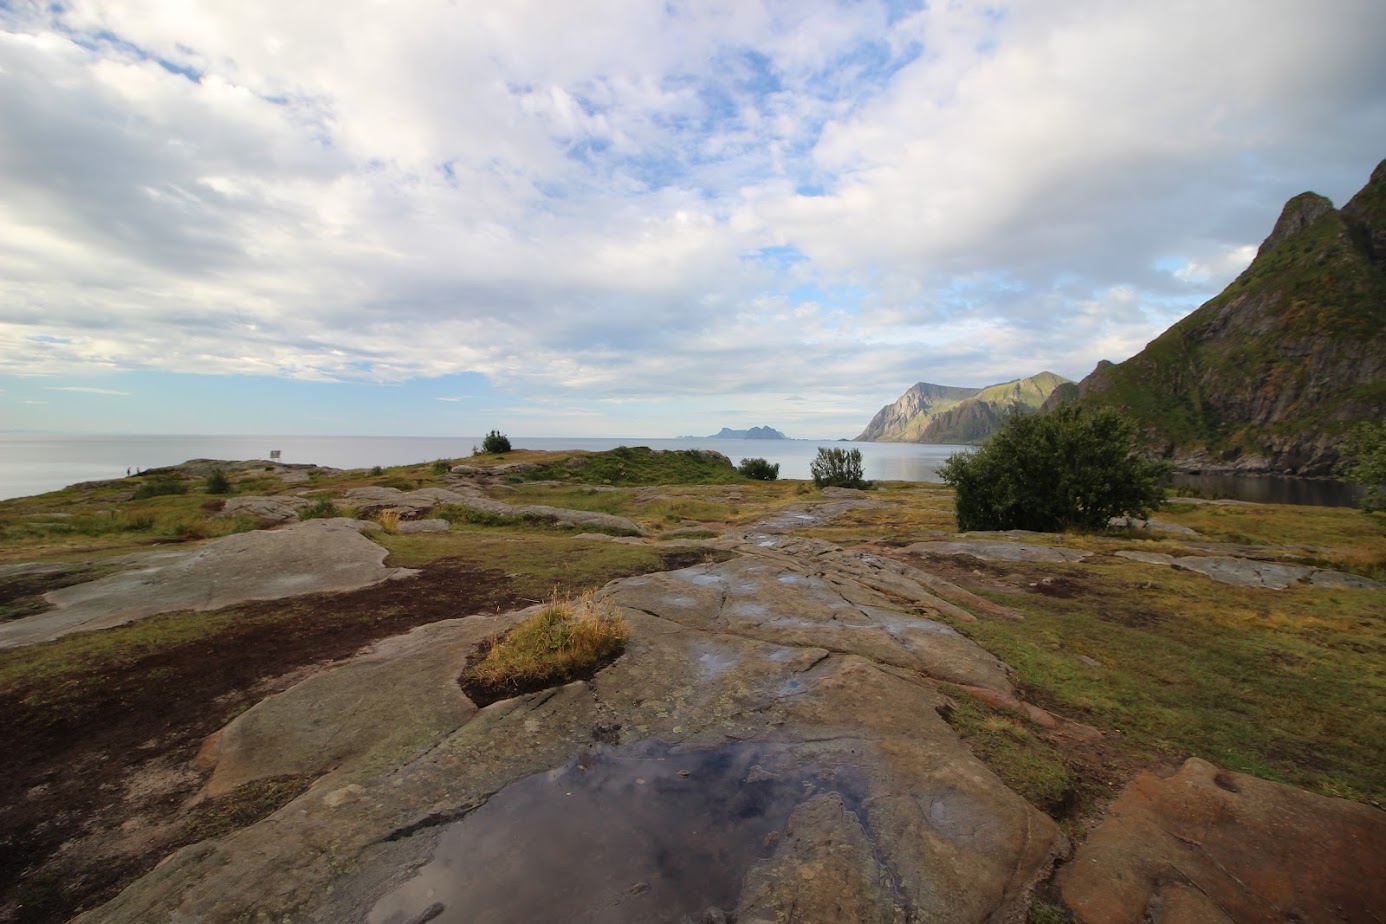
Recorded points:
1272,489
640,833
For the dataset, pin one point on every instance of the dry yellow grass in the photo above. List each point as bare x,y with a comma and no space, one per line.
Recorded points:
389,521
566,640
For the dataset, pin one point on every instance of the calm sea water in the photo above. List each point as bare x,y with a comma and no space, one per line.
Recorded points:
35,463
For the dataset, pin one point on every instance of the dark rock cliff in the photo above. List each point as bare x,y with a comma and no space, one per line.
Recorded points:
1269,375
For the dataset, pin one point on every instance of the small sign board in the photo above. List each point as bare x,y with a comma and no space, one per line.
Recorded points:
274,453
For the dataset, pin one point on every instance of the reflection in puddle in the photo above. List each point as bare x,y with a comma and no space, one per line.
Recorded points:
640,833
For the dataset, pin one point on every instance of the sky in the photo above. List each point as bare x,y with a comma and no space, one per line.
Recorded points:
627,218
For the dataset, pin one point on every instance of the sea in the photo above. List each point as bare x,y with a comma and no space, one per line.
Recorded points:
33,463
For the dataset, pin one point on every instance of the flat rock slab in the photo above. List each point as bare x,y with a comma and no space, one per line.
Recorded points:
472,498
1250,572
311,557
991,550
276,509
1212,845
739,760
1152,524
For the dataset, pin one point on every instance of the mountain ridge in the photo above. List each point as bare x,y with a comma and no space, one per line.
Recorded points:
1268,375
928,413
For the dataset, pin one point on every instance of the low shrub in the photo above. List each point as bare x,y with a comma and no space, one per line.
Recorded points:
838,468
1364,456
377,470
161,485
218,483
495,442
759,469
441,467
321,509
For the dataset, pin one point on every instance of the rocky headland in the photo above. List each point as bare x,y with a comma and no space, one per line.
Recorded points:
928,413
1269,376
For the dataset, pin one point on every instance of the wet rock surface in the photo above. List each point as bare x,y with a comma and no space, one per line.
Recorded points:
1212,845
319,555
770,741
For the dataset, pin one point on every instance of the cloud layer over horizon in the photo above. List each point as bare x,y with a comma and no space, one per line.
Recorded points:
646,214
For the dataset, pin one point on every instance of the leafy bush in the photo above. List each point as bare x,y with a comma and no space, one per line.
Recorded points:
442,466
759,469
1073,467
495,442
320,509
1365,455
377,470
161,485
838,468
218,483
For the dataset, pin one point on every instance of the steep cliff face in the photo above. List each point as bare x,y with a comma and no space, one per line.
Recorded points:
942,414
1269,374
903,421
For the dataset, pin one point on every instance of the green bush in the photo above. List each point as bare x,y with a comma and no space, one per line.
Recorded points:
759,469
1365,462
1071,468
160,485
320,509
838,468
495,442
218,483
377,470
441,467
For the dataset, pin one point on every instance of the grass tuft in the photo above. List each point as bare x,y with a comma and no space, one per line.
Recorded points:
566,640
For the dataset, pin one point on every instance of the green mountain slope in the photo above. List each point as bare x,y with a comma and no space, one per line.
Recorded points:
1269,374
944,414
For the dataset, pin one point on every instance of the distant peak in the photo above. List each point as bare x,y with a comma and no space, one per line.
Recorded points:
1299,213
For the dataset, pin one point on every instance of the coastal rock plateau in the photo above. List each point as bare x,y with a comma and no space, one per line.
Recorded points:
774,723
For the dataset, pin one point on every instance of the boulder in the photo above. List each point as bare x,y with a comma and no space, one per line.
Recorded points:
280,508
410,527
1209,844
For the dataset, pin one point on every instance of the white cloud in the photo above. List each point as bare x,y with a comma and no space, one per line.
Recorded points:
88,390
569,196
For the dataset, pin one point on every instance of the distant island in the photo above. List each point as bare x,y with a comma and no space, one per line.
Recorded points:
755,433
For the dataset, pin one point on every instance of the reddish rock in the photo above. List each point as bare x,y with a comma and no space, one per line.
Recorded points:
1208,844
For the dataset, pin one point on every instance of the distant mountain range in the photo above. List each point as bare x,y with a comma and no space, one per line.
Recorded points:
755,433
1270,374
929,413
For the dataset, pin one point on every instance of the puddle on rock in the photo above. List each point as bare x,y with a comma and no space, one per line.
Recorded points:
635,834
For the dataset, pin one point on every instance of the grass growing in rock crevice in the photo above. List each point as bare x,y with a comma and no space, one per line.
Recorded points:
1286,685
564,641
1013,749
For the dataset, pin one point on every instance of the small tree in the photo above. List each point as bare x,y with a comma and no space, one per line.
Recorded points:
1364,456
759,469
838,468
495,442
1072,467
218,483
